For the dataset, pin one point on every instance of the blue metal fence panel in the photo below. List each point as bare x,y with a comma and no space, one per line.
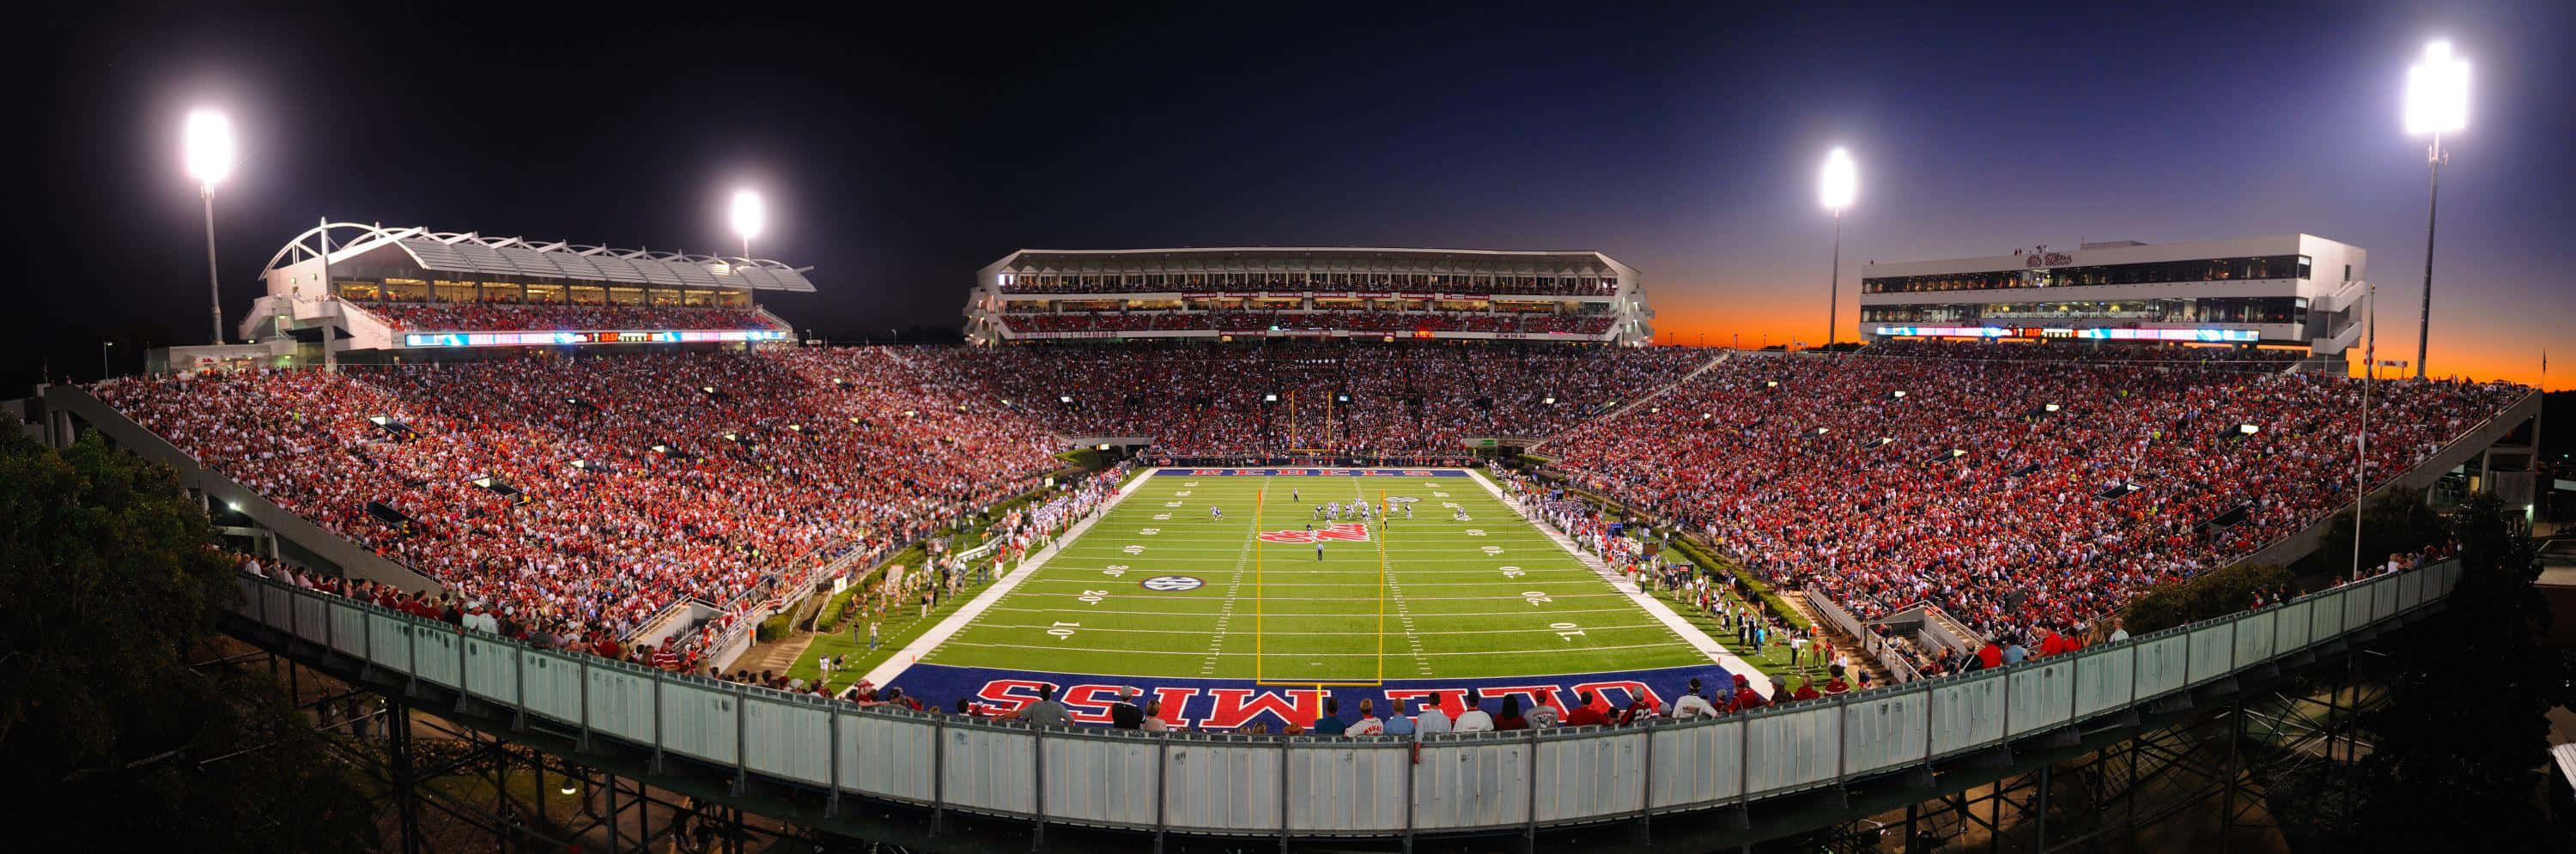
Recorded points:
1967,712
990,769
492,670
435,654
2290,627
2325,615
780,734
621,700
1342,788
1886,732
280,602
1473,783
1103,778
1215,784
343,622
1589,775
1698,763
700,717
2163,664
888,756
2104,679
1790,750
2213,648
2254,638
2039,695
554,684
387,644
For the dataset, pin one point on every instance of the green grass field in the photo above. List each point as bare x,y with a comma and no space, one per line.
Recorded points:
1159,588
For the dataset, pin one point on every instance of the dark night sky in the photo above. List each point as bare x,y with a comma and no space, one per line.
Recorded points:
903,149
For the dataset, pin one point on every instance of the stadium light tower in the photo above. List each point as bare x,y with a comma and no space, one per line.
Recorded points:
748,217
1835,188
208,141
2437,102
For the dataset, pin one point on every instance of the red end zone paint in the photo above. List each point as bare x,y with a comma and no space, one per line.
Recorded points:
1345,531
1227,704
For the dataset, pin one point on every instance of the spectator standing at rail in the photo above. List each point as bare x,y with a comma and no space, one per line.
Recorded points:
1474,719
1544,713
1044,711
1368,724
1124,714
1396,723
1586,714
1432,721
1331,723
1510,719
1692,705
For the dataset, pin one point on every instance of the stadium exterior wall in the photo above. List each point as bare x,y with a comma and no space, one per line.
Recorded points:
1233,786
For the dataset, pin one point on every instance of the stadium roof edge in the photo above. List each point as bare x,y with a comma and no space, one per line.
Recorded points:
471,252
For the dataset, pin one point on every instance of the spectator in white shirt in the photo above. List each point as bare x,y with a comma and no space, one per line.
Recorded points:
1692,705
1368,724
1474,719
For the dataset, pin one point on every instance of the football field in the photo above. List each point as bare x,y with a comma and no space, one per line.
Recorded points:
1161,586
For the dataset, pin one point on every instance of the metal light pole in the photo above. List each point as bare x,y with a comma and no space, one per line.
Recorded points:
2437,102
2361,454
1835,187
102,358
207,138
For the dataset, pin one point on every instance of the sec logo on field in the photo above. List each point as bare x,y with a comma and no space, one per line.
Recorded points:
1171,583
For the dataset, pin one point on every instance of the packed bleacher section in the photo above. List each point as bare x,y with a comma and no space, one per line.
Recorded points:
585,495
510,317
2086,352
1200,399
1134,284
2022,495
1361,321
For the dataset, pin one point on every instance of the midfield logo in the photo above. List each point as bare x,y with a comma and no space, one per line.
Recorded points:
1355,531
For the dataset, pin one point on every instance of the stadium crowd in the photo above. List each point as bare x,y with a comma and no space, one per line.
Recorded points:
1206,399
2023,496
586,494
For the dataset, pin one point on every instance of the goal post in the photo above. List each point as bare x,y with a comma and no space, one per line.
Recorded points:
1374,673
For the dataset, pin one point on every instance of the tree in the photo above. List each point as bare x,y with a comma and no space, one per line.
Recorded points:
2397,521
2216,593
111,590
2454,750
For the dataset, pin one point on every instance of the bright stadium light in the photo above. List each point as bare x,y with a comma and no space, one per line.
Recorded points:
207,140
1836,187
2437,102
1064,398
2052,407
2249,429
748,217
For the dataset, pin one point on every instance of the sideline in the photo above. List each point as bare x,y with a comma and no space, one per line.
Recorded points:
894,665
1654,607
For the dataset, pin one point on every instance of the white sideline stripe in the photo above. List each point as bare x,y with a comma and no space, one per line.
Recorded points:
1214,615
1199,633
1373,598
902,659
1690,633
1558,651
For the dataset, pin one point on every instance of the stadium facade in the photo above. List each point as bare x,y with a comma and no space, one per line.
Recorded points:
2295,290
1226,293
372,292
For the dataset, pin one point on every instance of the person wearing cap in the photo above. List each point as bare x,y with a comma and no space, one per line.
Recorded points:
1692,705
1747,699
1474,718
1545,713
1124,714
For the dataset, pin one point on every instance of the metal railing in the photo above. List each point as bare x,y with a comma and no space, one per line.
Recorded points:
1263,786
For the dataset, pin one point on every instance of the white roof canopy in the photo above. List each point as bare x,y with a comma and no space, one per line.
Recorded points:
453,252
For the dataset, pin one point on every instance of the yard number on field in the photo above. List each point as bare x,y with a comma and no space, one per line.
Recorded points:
1565,631
1535,597
1114,570
1513,572
1063,629
1092,596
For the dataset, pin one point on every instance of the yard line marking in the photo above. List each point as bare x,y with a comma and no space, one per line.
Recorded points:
939,634
1541,651
1243,556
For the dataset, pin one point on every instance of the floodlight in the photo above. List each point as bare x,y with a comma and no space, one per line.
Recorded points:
748,217
1839,183
235,505
2437,92
208,139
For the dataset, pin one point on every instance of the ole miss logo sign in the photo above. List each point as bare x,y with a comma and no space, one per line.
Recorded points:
1354,531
